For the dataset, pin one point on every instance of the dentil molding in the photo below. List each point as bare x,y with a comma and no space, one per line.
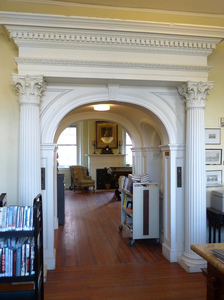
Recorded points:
68,32
106,40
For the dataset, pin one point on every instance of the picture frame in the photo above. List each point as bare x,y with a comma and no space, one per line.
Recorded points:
213,178
109,130
213,156
212,136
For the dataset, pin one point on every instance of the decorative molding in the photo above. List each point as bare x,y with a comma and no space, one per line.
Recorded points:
29,88
194,93
107,40
40,20
108,64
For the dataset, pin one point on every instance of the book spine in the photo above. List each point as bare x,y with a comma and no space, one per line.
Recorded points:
27,272
10,216
14,217
1,214
18,261
6,261
4,218
23,259
32,258
18,218
31,218
14,263
21,218
10,261
3,261
26,218
1,274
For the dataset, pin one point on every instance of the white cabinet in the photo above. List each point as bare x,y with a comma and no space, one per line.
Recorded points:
140,211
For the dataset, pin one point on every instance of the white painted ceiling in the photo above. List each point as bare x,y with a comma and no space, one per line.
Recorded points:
187,6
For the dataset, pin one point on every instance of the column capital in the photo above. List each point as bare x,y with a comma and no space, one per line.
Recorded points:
194,93
29,88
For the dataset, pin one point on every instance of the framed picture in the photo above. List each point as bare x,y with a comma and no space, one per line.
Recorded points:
212,136
213,178
213,156
106,135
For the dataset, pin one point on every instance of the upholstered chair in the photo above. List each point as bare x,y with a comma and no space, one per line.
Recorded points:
80,178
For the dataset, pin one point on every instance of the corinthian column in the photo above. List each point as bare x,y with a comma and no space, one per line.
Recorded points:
29,90
194,94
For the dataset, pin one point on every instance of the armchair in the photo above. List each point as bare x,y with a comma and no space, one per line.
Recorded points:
80,178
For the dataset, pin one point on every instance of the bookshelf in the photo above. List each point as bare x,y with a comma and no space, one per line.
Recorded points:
30,286
140,210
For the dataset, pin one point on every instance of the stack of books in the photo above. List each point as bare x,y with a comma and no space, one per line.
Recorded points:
219,253
144,178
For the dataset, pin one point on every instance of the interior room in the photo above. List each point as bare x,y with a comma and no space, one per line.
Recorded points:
159,67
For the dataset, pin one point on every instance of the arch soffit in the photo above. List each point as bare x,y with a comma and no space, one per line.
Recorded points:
59,107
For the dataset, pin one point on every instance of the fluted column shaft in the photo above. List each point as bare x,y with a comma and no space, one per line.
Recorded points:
29,91
194,94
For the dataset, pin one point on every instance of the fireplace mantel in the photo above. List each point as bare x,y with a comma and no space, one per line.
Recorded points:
100,161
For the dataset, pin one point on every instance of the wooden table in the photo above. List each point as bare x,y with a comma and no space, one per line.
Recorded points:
215,270
119,171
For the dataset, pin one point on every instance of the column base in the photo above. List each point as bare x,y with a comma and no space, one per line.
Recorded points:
50,261
171,255
192,264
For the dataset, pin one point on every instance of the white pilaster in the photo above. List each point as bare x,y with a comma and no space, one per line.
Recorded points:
49,163
138,161
29,91
172,198
194,94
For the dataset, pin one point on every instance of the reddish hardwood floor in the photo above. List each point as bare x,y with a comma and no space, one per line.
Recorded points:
94,261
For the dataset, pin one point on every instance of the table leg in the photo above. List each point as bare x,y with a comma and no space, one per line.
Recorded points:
210,232
117,192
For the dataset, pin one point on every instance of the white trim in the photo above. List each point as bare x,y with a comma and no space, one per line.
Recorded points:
11,18
111,64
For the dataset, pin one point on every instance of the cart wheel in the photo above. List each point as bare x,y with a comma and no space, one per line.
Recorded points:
121,227
156,241
131,243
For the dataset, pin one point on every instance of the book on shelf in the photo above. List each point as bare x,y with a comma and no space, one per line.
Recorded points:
16,218
17,257
125,200
129,204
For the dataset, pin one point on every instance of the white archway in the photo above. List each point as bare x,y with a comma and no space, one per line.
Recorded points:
65,105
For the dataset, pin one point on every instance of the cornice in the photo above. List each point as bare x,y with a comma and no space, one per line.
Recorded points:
108,64
100,40
56,21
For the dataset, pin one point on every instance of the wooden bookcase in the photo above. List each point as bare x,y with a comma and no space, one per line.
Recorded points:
141,218
32,286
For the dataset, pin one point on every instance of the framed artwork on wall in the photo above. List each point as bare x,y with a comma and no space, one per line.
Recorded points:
212,136
106,135
213,178
213,156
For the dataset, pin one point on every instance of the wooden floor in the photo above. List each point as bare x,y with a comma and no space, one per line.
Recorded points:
94,261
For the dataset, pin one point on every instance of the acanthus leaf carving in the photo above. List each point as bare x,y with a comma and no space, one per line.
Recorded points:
195,93
29,88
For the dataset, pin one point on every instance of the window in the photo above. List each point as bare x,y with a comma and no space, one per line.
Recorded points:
67,147
128,152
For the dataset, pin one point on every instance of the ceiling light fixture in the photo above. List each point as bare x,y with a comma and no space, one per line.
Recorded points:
102,107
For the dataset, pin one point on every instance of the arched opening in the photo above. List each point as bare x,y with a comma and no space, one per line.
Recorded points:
153,123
